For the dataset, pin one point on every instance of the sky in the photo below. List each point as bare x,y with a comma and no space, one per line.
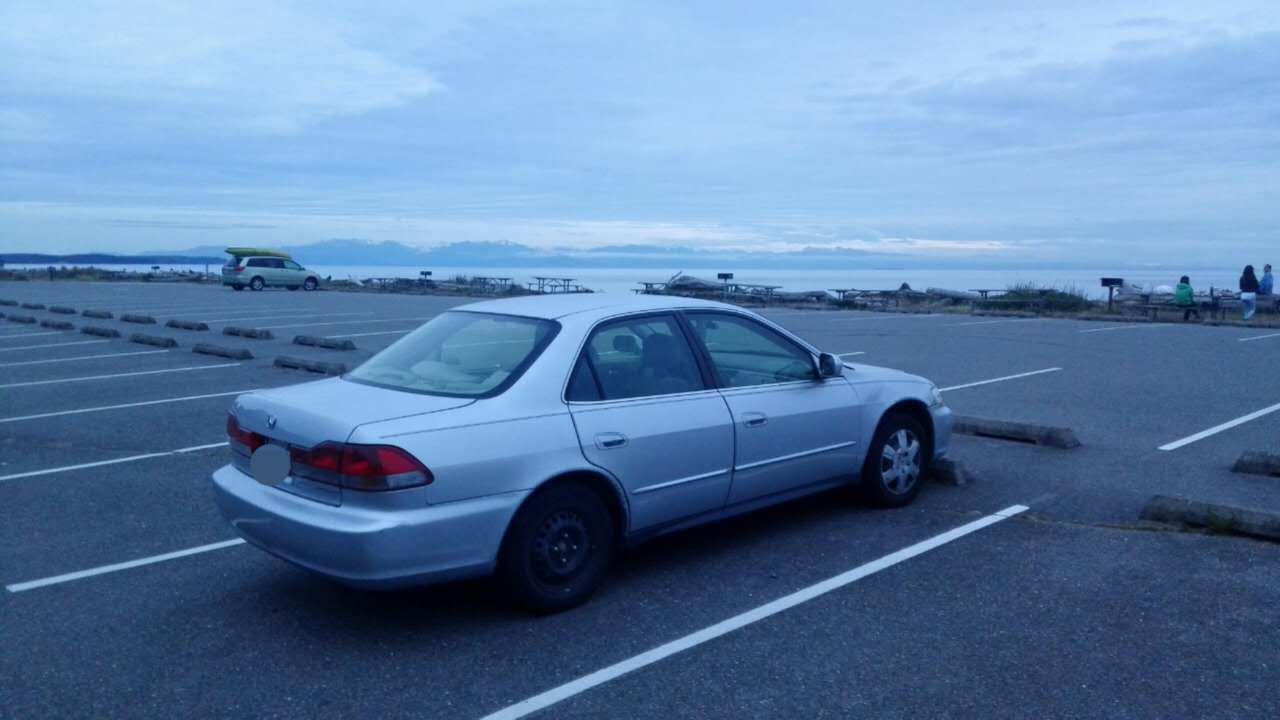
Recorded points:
1125,133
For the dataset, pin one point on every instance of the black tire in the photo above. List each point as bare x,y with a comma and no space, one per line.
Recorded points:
237,288
890,478
257,284
557,549
310,284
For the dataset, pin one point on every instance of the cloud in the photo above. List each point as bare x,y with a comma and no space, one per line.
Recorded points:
263,66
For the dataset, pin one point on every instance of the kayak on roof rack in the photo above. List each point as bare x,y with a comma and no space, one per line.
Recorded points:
258,252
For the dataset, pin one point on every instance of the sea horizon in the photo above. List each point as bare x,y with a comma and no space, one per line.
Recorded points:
627,279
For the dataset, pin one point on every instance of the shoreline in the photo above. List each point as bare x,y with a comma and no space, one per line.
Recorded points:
1139,309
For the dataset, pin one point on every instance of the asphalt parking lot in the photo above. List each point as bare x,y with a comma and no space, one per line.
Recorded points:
1032,591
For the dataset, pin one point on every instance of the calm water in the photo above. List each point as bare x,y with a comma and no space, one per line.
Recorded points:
622,280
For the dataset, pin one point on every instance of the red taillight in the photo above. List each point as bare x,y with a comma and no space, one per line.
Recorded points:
250,440
360,467
237,269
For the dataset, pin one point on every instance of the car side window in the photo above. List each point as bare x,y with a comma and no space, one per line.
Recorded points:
582,384
291,265
640,357
745,352
274,263
256,262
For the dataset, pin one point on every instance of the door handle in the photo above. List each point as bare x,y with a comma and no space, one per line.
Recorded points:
609,441
754,419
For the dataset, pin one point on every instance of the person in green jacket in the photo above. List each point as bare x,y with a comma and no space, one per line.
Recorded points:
1184,297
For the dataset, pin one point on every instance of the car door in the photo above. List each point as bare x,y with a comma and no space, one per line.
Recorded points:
260,267
791,427
293,273
645,411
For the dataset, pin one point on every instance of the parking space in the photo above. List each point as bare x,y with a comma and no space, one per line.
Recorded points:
124,585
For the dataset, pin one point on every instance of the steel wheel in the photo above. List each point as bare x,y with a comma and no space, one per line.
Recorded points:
561,547
558,547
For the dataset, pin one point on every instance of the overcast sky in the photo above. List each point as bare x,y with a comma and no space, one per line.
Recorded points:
1121,132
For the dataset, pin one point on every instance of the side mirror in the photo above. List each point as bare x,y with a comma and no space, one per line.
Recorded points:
830,366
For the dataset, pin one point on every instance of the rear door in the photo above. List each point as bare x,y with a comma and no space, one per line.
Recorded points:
256,267
792,428
645,412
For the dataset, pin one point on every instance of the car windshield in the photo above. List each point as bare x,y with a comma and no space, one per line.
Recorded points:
462,354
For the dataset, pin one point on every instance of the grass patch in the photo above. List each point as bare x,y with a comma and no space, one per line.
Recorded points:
1067,298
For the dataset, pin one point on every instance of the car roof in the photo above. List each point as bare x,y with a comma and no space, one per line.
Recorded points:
602,304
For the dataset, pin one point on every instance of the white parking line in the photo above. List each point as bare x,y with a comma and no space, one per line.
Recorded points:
121,406
32,334
344,322
1126,327
1219,428
1259,337
52,345
383,332
119,375
283,317
117,567
737,622
81,357
113,461
887,316
1000,379
987,322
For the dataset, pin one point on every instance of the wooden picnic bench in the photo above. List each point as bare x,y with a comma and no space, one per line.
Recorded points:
491,285
984,292
548,285
650,288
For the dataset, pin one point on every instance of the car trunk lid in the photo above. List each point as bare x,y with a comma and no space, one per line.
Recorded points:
327,410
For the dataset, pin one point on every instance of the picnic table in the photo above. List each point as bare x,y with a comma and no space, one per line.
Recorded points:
751,289
554,285
984,291
496,285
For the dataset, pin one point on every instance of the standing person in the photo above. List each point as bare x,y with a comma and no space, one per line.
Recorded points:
1266,286
1249,292
1185,298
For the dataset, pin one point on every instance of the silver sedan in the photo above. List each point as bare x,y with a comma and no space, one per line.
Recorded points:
534,437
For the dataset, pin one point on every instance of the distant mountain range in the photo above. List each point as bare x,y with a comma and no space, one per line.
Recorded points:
107,259
356,252
508,254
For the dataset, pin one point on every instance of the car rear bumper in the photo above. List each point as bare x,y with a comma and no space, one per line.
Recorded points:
941,430
381,542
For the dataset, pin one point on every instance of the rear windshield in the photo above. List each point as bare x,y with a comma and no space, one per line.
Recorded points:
460,354
233,261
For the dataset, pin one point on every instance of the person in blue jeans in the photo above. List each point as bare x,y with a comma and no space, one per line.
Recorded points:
1249,292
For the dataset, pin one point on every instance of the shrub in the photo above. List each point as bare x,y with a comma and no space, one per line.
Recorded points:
1067,298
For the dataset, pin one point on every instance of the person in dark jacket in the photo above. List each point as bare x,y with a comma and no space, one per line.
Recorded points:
1185,297
1249,292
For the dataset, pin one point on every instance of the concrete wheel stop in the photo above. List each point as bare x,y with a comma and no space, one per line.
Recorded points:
1219,518
1047,435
